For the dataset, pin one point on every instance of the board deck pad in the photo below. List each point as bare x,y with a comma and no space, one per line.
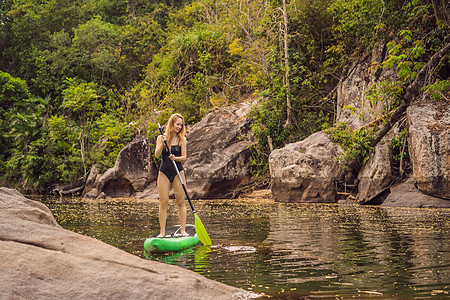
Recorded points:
174,231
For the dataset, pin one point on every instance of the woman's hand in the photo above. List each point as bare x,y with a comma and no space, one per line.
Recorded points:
172,157
159,145
161,138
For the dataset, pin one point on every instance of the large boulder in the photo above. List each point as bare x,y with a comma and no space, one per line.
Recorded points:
219,151
306,171
429,147
377,174
131,173
41,260
407,195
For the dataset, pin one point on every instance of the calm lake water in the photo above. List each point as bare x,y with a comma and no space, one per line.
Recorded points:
288,251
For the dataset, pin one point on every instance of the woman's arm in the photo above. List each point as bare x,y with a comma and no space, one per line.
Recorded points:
159,145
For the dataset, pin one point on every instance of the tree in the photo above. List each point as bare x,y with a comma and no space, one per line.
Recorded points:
81,102
289,115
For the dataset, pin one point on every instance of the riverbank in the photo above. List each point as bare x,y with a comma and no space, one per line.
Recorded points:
286,250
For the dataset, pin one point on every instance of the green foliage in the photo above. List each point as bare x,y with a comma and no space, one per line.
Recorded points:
267,126
191,71
310,79
110,134
385,96
80,99
22,117
438,90
80,78
40,151
356,143
404,55
107,137
361,23
25,124
13,91
61,135
98,41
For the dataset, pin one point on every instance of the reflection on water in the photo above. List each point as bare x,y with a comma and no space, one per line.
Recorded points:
289,250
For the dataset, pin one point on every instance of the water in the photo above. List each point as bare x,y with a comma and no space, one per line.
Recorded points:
288,251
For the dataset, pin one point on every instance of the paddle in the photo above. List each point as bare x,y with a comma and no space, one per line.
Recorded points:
199,228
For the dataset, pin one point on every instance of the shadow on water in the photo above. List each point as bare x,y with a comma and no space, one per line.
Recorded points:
288,251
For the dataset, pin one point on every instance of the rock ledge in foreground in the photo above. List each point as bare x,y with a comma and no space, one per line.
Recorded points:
41,260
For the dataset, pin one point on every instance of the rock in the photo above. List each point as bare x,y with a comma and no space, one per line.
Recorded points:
134,163
41,260
306,171
407,195
150,192
131,173
377,175
353,106
218,158
429,147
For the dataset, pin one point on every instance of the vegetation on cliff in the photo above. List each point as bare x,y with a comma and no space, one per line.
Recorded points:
78,79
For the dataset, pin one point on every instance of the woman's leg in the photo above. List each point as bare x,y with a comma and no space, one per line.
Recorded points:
163,190
179,197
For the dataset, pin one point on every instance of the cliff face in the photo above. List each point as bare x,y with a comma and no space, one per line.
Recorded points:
353,107
219,153
428,134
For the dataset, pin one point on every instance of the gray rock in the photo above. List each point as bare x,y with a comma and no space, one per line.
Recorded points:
353,106
377,175
41,260
131,173
306,171
407,195
429,148
218,158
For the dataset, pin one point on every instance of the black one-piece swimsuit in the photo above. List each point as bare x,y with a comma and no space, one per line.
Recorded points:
167,165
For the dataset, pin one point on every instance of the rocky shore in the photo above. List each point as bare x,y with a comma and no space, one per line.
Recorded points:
309,171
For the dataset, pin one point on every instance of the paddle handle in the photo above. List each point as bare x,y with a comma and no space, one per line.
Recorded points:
178,172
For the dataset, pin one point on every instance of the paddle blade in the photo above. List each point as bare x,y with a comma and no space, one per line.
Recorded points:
201,231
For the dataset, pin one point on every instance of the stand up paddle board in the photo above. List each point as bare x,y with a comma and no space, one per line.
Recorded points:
173,241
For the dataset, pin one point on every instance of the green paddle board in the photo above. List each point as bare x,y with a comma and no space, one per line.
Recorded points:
173,241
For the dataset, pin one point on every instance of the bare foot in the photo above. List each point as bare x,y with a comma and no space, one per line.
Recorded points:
184,234
160,235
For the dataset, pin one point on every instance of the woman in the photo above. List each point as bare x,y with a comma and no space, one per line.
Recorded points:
175,136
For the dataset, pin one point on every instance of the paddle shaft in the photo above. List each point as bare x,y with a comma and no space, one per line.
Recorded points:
178,172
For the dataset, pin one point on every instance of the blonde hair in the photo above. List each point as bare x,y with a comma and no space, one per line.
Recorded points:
169,127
